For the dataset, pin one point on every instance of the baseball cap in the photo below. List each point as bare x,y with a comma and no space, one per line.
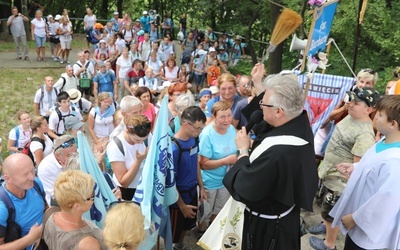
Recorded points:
144,12
211,49
57,17
73,122
101,64
102,41
204,92
116,13
49,16
368,95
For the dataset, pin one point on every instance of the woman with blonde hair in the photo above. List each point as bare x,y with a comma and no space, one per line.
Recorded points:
124,228
74,193
41,144
100,125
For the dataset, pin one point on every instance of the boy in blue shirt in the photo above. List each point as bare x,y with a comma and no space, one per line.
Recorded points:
185,150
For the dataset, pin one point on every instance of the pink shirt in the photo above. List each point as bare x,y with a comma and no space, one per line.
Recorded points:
150,112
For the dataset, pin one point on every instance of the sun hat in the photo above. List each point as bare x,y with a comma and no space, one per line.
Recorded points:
74,95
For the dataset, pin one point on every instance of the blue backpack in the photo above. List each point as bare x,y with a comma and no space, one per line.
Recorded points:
90,36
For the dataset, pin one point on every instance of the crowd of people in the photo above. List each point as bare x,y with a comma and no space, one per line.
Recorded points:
113,94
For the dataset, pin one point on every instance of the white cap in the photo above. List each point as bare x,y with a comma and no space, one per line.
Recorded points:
214,89
116,13
211,49
102,41
49,16
57,17
144,12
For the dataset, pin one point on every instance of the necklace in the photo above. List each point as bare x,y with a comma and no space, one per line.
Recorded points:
73,223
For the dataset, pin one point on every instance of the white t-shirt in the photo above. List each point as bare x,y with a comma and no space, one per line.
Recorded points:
48,171
78,65
90,21
125,66
102,127
53,29
48,100
155,66
151,84
70,83
40,29
24,136
66,37
114,155
35,145
144,49
54,121
120,44
85,107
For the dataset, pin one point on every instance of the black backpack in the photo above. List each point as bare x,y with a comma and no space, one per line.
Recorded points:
62,117
181,150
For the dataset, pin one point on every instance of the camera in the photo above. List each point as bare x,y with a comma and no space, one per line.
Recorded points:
16,15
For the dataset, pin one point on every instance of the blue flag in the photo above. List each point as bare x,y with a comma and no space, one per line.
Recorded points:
103,194
156,190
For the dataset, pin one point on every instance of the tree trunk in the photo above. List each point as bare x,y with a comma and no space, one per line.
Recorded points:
119,7
104,9
275,58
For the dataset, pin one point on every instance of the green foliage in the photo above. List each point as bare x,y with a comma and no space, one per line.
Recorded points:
244,67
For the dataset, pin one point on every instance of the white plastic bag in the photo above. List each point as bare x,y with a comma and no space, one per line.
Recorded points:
180,36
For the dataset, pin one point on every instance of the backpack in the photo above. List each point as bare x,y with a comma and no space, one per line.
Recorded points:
27,151
90,37
13,230
85,78
121,147
62,117
181,150
42,93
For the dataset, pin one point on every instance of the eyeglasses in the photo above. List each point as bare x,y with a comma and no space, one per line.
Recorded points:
114,203
199,129
371,71
139,128
66,144
265,105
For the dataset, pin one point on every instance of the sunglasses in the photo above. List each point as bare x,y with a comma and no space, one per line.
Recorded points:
139,128
371,71
66,144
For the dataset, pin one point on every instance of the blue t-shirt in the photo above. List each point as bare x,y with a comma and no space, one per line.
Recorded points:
186,171
381,146
237,113
105,81
216,146
211,102
145,22
28,211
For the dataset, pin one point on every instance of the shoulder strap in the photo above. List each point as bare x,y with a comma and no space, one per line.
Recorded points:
16,136
178,145
64,82
39,140
41,95
119,144
8,203
40,191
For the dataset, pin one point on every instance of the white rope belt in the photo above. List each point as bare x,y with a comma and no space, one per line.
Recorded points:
270,217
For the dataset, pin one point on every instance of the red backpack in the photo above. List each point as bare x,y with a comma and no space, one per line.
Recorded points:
27,151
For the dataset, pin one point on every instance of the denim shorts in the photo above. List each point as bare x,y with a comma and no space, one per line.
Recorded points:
40,41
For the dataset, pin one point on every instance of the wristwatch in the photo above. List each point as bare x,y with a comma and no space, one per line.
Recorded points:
239,152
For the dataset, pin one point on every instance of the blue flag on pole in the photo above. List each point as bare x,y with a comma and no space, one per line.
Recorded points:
156,190
102,191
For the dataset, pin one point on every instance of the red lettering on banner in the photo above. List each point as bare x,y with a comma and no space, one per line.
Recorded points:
318,106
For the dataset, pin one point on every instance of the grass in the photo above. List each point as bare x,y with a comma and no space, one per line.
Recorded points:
18,86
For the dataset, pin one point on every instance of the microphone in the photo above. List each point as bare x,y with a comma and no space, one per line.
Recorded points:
256,117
